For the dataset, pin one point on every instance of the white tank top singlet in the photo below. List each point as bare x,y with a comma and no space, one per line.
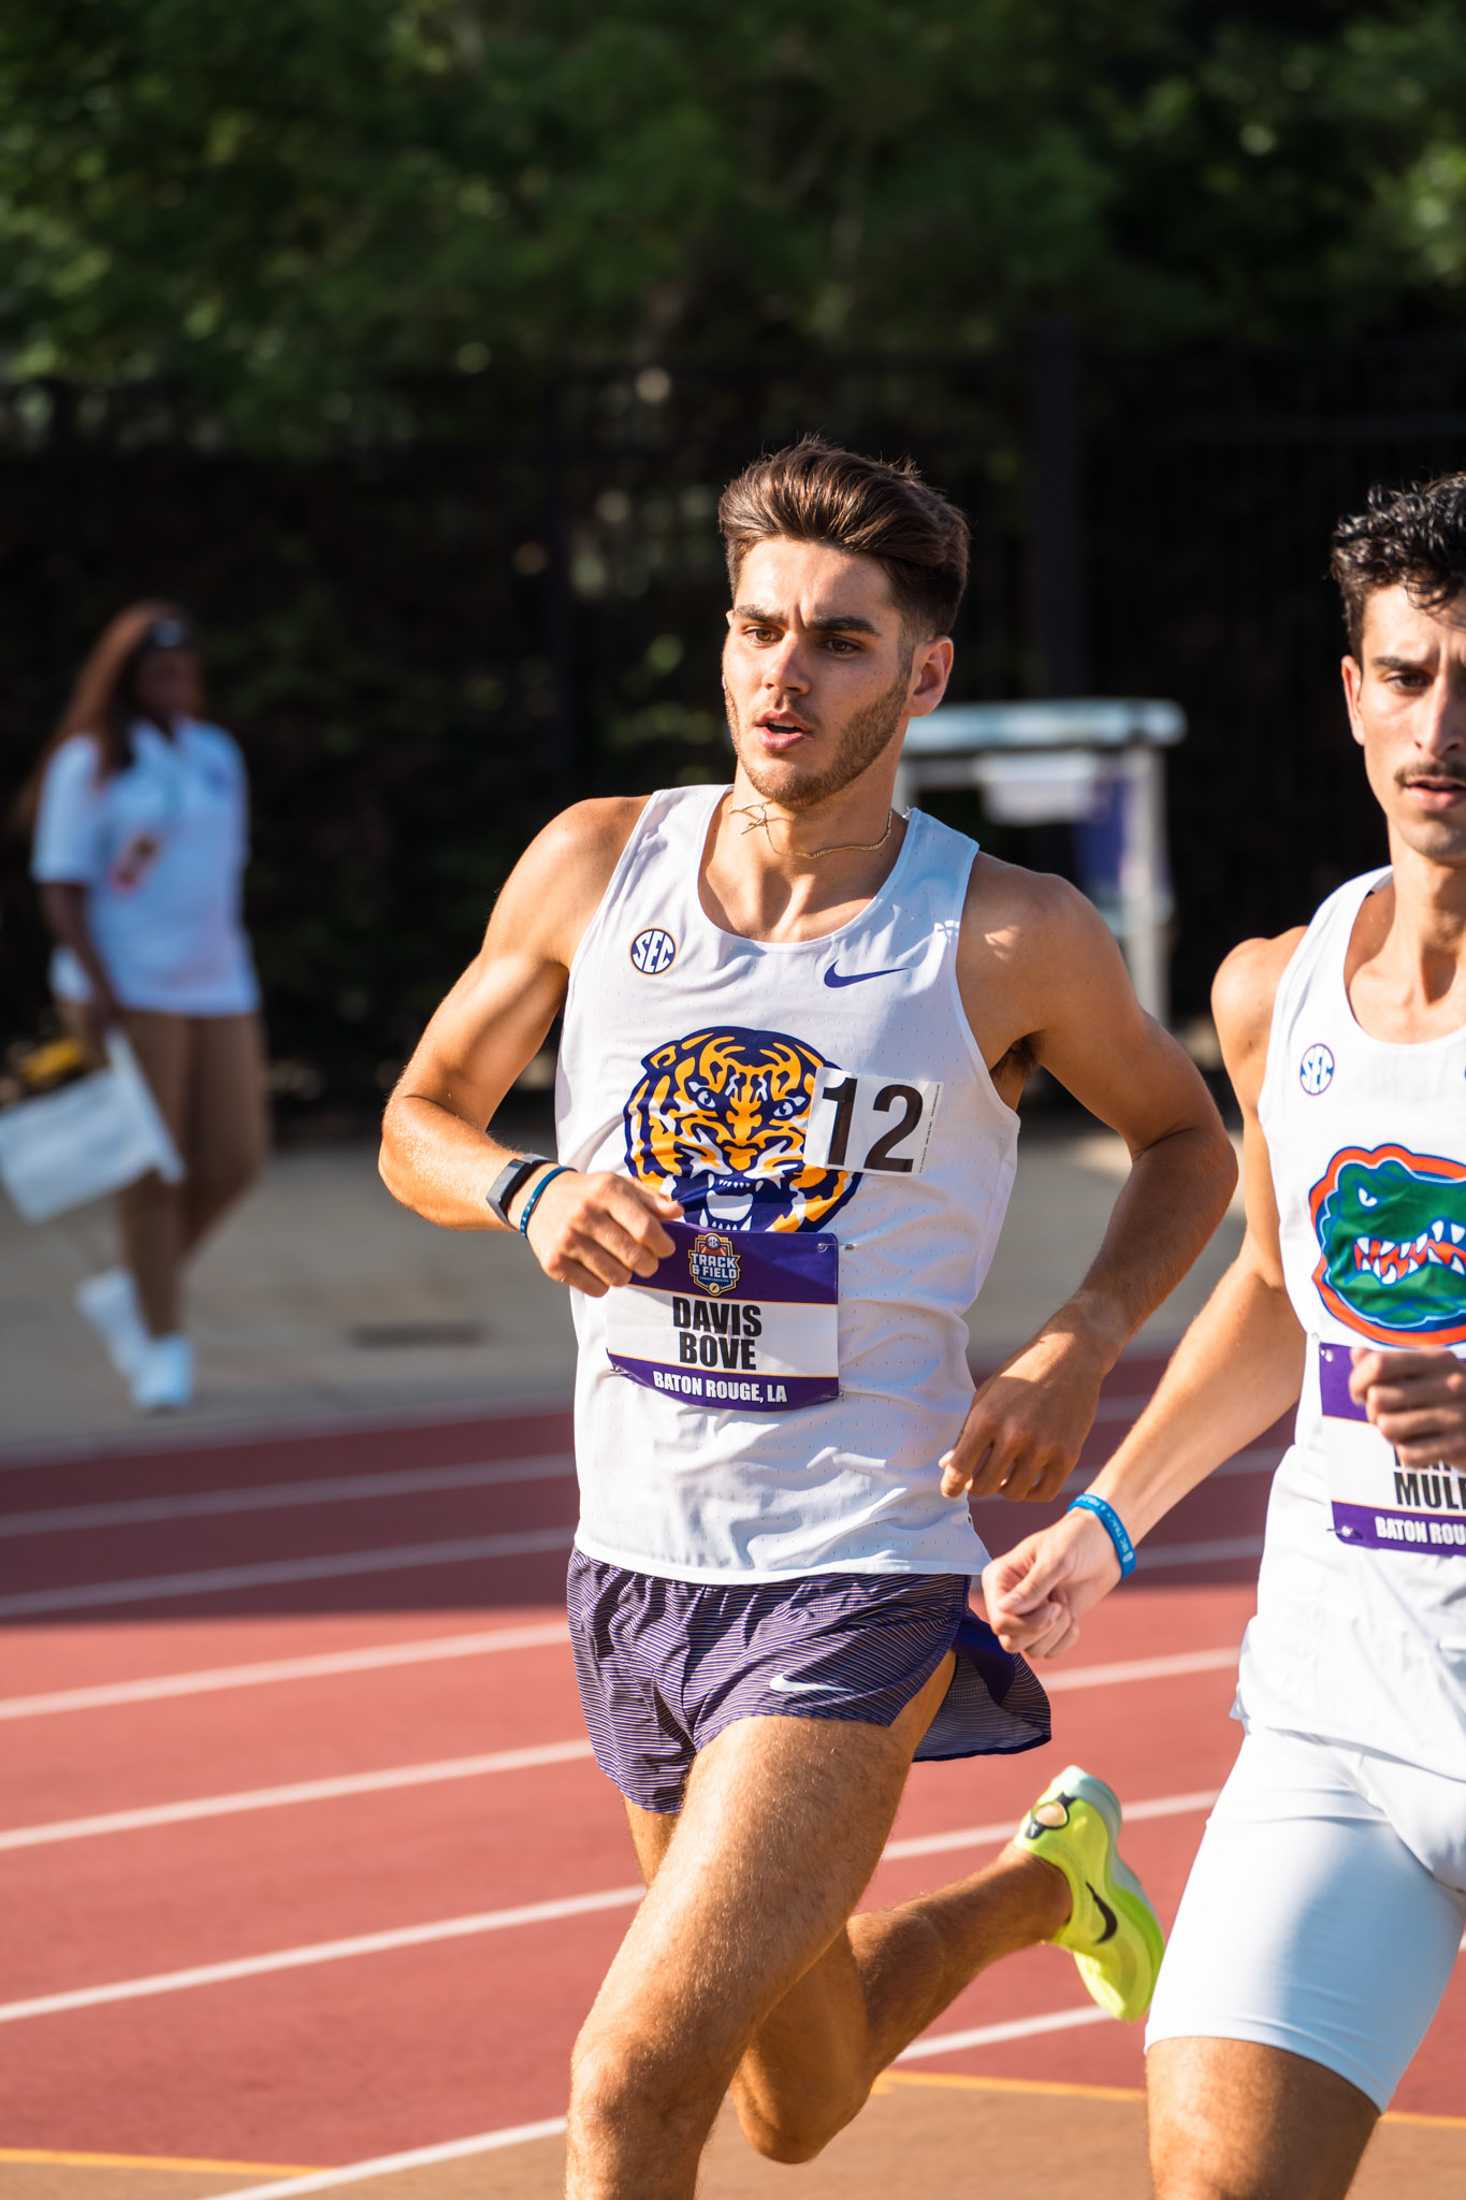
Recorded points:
774,1401
1360,1634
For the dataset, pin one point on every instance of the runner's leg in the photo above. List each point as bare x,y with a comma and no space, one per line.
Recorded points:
1308,1958
782,1825
1234,2120
784,1822
150,1211
225,1120
890,1974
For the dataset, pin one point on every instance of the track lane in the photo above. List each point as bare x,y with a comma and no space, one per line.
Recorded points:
314,1728
264,1673
408,2015
278,1497
197,1561
115,1565
400,2028
45,1657
398,2022
503,1572
90,1472
58,1544
328,1725
144,1903
475,2037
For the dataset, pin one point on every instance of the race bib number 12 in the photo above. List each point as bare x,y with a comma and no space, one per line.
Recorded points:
868,1123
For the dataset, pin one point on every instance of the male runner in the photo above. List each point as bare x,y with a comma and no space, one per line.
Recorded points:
796,1029
1322,1917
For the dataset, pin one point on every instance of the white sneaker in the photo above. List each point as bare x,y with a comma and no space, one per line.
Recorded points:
163,1380
109,1302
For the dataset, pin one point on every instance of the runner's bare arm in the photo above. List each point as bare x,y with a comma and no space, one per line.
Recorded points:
1239,1366
1039,965
64,908
437,1157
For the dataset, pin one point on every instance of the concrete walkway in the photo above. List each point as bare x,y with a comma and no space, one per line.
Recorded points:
322,1302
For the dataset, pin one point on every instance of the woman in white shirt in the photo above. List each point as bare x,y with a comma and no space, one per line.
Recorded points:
141,838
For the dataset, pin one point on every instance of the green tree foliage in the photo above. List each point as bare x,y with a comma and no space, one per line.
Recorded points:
293,209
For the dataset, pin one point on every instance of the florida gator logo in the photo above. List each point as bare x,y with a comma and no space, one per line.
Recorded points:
718,1120
1391,1229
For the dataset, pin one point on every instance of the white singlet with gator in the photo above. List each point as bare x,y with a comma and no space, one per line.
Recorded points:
773,1402
1360,1635
1324,1910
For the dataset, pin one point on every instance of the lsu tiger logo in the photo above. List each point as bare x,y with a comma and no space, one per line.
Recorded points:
718,1120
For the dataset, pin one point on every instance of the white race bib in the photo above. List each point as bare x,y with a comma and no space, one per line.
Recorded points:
869,1123
1379,1505
742,1321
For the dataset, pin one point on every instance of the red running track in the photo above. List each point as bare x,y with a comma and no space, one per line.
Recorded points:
264,1699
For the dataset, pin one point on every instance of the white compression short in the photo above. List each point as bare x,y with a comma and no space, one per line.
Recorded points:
1307,1923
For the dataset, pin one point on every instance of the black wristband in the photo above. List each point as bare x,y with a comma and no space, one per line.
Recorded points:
510,1179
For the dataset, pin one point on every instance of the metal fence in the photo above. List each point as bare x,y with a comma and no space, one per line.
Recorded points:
1212,485
501,592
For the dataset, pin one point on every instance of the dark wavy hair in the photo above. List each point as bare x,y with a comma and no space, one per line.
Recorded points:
103,702
814,492
1412,538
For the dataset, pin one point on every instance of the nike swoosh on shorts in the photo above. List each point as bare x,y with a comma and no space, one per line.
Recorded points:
783,1686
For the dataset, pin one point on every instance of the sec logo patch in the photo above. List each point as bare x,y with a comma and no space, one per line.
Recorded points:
653,951
1316,1070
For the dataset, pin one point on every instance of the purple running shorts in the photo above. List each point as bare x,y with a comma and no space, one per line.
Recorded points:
663,1666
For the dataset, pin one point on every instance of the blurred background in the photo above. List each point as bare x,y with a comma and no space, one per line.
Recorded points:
409,342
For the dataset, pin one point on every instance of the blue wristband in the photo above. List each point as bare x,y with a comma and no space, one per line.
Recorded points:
1114,1528
561,1168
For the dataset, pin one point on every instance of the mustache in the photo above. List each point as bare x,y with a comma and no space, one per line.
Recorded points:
1440,778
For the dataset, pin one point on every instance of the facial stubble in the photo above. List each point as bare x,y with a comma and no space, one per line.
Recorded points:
862,740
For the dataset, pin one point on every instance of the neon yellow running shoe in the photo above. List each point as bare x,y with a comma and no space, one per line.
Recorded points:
1113,1933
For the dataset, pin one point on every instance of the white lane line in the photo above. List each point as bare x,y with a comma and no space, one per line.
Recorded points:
1017,2028
322,1951
301,1791
204,1680
483,1921
488,2142
191,1808
449,2150
218,1580
337,1489
1139,1669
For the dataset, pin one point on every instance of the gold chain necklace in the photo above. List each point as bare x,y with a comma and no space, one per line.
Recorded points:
757,814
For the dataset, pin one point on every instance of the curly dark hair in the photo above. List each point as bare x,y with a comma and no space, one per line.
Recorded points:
1412,537
875,508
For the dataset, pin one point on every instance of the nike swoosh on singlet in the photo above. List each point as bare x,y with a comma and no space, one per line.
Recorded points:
833,976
